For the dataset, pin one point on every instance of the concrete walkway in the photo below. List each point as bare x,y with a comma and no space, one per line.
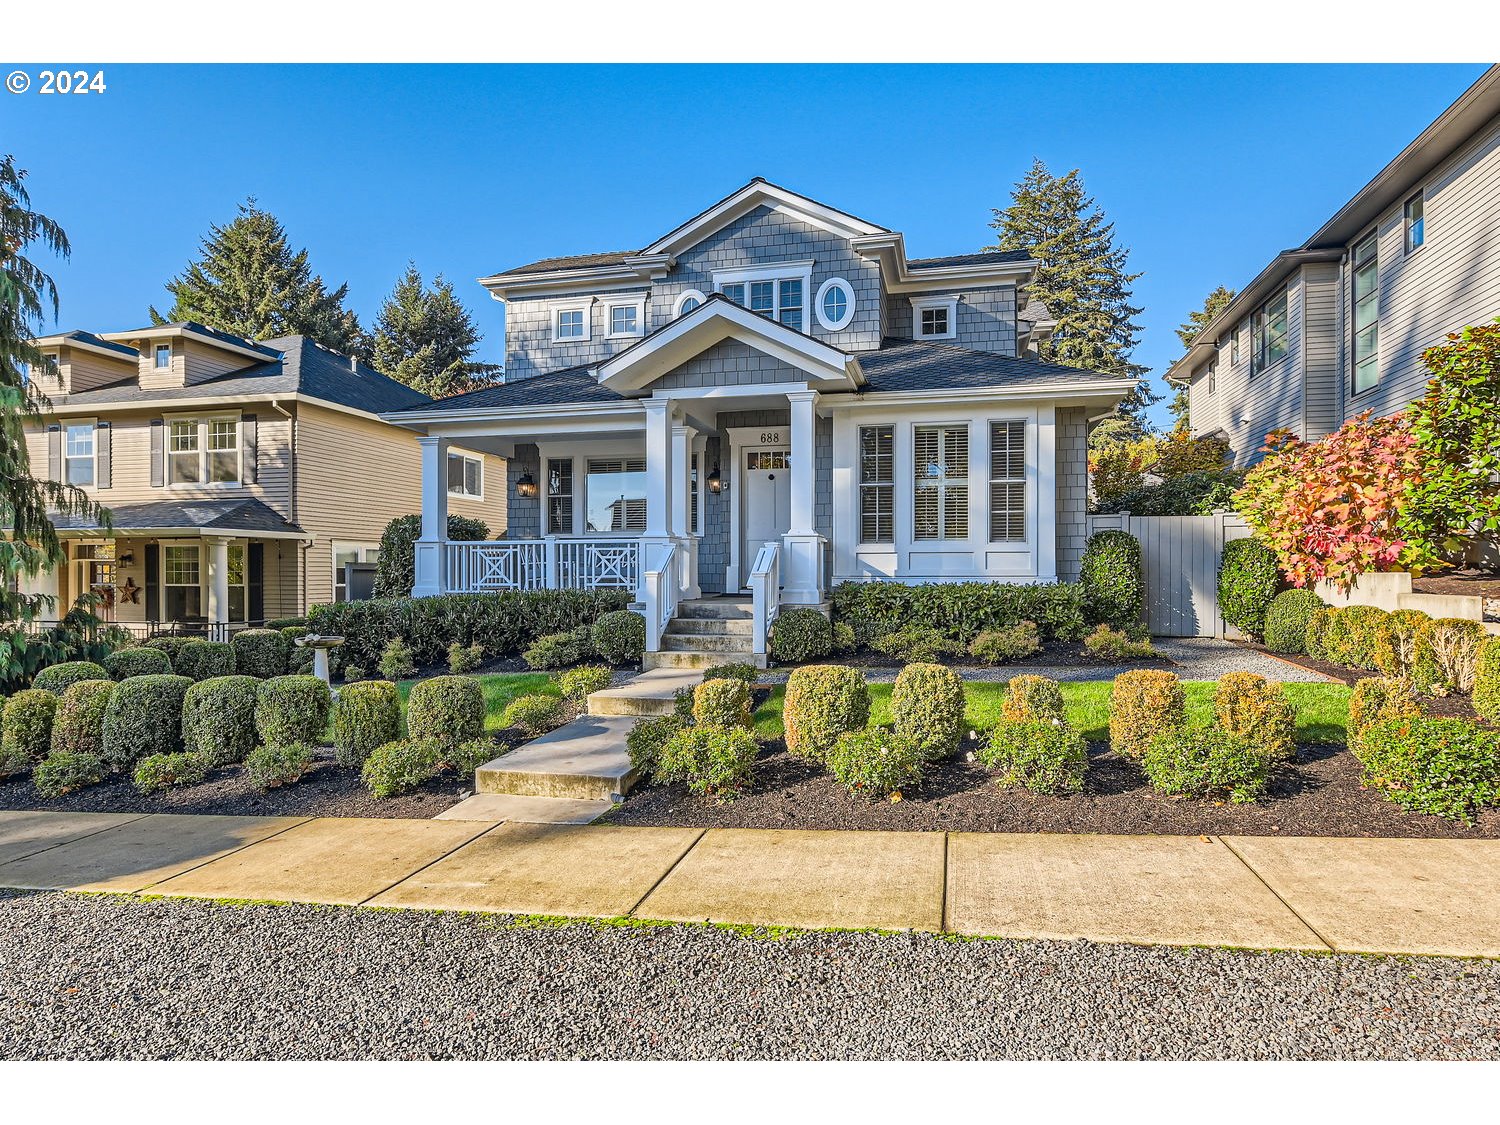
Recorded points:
1349,895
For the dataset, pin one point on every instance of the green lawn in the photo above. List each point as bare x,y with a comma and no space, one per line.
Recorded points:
499,689
1321,708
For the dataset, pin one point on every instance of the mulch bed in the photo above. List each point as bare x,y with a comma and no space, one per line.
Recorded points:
326,791
1057,654
1472,582
1319,795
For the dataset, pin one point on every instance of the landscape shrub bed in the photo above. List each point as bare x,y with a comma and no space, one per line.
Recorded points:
1445,767
1378,699
279,764
724,703
960,611
560,650
1032,699
365,715
877,762
399,766
1116,646
262,653
1008,643
1258,711
712,760
916,644
644,742
66,772
203,660
1287,620
619,637
577,684
169,771
534,714
26,729
218,719
1486,694
1206,762
800,634
130,662
1114,592
1248,581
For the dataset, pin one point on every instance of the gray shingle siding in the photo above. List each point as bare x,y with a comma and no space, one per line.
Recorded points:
729,363
1072,441
986,318
525,514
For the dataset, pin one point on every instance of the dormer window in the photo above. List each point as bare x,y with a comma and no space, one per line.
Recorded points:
163,357
778,292
934,318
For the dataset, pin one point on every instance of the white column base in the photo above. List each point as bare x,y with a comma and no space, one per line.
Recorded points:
429,568
801,569
687,549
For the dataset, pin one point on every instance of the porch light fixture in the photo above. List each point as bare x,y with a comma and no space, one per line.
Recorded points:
715,480
526,486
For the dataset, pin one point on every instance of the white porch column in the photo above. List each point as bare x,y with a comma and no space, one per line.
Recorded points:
658,468
1046,494
682,510
802,566
217,549
432,546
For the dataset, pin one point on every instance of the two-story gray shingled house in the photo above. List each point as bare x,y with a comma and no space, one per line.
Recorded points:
770,398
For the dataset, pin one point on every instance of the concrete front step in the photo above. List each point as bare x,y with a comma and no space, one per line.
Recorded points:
712,626
583,760
648,694
715,608
700,660
497,807
729,645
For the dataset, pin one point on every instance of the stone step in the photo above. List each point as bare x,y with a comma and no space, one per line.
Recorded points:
673,642
712,626
583,760
674,659
648,694
498,807
715,608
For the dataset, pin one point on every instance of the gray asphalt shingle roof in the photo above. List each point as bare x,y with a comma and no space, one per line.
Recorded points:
572,262
567,384
77,336
984,257
245,514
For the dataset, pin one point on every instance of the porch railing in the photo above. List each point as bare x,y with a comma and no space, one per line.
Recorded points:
145,630
542,564
661,586
765,594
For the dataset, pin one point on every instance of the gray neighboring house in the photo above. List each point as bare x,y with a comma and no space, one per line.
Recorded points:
770,398
1338,325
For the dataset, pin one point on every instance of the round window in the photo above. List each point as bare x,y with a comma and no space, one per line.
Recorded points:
835,304
689,300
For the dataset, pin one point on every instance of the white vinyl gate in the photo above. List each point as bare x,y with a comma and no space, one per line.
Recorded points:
1180,556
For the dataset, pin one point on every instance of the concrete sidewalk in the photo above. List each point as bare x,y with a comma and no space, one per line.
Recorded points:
1348,895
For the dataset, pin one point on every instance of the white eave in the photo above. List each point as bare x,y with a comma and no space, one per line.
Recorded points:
177,331
47,343
888,249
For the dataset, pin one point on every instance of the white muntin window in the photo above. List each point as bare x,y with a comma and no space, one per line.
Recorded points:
161,357
238,582
78,454
1366,315
625,318
559,496
934,318
778,292
1415,222
877,484
181,582
940,477
466,476
834,304
1008,481
203,451
572,321
1268,328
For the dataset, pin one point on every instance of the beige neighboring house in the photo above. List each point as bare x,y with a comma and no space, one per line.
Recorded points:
242,476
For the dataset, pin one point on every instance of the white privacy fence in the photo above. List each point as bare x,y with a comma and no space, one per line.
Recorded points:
1180,557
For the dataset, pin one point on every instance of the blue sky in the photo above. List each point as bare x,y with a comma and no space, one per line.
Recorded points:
1207,171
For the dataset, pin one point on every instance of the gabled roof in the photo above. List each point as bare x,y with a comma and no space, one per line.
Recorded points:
759,192
192,329
247,515
89,342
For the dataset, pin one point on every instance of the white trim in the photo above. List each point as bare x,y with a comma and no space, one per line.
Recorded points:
774,273
585,305
755,194
842,322
93,455
202,422
684,296
920,304
639,305
156,354
740,440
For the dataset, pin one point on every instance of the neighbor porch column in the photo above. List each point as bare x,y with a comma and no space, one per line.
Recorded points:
682,511
432,546
217,550
802,565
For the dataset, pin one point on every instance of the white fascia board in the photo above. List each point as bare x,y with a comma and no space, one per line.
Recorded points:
606,413
165,333
889,251
1113,389
48,343
756,194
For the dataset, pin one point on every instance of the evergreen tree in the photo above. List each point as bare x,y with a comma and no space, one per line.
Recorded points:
31,545
1083,279
1215,303
248,281
425,337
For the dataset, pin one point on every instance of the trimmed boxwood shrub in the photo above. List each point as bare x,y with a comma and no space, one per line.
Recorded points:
1032,699
58,677
927,704
172,646
26,730
169,771
644,742
449,709
1142,705
399,766
534,714
1010,642
1044,757
745,673
916,644
286,763
715,761
1248,579
578,684
204,660
844,640
464,658
1445,767
822,702
958,610
262,653
560,650
1318,622
1356,636
1286,621
218,719
723,703
1452,645
280,623
65,771
144,717
78,726
1113,592
877,762
1206,762
620,637
396,661
291,709
1377,699
128,662
1486,694
1258,711
365,715
800,634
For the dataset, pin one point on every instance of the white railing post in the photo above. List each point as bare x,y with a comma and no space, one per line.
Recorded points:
551,576
765,595
659,592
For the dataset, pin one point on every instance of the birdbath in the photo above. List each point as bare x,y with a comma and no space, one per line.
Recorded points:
320,647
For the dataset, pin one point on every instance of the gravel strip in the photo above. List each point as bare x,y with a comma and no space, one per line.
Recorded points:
98,977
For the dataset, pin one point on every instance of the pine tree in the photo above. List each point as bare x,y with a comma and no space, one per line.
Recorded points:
425,338
30,545
248,281
1082,278
1215,303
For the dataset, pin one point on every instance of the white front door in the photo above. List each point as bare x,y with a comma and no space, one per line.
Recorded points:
767,500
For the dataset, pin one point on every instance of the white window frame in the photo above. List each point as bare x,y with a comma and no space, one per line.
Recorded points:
342,545
921,304
1023,479
156,350
639,305
163,585
202,422
92,425
604,458
888,481
548,495
1420,199
842,322
775,273
464,493
943,487
585,305
685,296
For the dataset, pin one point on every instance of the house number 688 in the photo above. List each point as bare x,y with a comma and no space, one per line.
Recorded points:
771,437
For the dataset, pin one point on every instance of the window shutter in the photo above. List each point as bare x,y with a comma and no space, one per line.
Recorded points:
103,472
153,581
250,453
158,455
255,575
54,453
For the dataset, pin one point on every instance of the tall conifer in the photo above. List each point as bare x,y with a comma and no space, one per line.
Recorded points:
1215,303
424,337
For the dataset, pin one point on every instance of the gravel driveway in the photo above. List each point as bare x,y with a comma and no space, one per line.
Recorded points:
100,977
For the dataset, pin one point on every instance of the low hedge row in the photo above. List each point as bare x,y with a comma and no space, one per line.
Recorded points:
960,611
1441,654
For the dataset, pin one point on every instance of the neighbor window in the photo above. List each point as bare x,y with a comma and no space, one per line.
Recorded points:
203,451
1007,481
181,587
616,494
1268,334
1415,226
1213,376
78,454
465,476
559,496
184,455
1234,345
780,299
1366,315
940,504
224,450
163,356
343,555
877,484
